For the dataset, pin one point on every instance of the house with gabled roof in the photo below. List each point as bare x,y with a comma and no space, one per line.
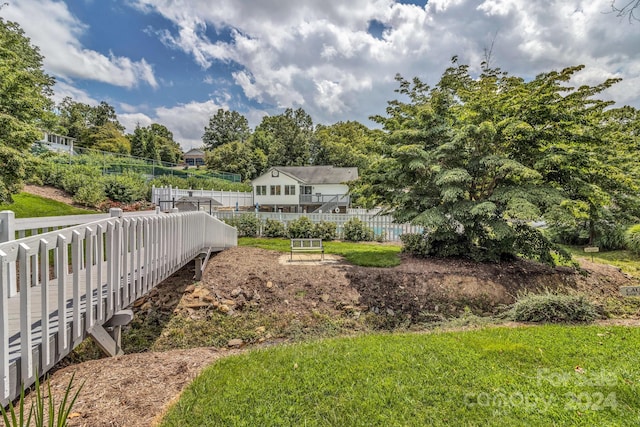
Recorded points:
304,189
194,157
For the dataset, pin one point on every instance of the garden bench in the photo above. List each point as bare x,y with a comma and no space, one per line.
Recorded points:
307,245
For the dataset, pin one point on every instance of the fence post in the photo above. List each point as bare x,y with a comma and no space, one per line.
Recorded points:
7,226
8,233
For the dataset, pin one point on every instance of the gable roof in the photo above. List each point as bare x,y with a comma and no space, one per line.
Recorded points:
319,174
194,152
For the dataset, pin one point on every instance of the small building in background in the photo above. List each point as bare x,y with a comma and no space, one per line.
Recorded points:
194,157
304,189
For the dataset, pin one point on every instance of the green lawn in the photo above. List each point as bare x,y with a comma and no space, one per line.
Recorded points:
366,254
534,376
30,206
625,260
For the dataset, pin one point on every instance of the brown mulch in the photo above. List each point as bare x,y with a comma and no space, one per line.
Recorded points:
50,193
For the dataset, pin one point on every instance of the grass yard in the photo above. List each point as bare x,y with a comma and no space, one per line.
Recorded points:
366,254
30,206
535,376
627,261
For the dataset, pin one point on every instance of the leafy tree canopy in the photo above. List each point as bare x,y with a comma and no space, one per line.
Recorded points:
237,157
474,160
24,103
285,138
224,127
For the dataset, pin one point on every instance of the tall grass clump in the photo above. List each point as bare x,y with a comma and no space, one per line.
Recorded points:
552,307
57,416
632,238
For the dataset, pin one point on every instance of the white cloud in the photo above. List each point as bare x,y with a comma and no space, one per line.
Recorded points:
51,26
319,55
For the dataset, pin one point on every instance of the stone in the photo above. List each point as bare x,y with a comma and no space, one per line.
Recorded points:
390,312
235,343
137,303
236,292
196,305
200,293
325,297
261,329
269,284
223,308
228,302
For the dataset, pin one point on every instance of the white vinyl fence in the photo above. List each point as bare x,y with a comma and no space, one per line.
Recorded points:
163,197
382,225
58,287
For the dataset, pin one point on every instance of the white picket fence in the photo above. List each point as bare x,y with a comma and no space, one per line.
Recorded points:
56,287
228,199
382,225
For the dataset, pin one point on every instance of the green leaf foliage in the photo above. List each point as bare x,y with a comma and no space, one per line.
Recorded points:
475,159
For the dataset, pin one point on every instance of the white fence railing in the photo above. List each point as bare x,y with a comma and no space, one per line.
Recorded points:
56,286
230,199
382,225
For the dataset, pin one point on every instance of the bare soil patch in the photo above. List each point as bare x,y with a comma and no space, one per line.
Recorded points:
134,389
50,193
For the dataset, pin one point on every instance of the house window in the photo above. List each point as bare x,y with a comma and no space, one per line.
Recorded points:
275,190
289,190
261,190
306,189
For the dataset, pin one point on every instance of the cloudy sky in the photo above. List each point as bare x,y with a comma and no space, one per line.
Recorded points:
175,62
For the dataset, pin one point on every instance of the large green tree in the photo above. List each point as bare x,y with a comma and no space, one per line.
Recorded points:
346,144
474,160
285,138
224,127
237,157
24,103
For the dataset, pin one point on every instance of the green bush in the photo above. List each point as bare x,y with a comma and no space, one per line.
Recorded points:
274,228
553,308
414,243
76,176
611,237
125,188
357,231
248,225
324,230
91,194
632,238
300,228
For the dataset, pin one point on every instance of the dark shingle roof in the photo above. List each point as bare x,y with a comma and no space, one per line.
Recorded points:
320,174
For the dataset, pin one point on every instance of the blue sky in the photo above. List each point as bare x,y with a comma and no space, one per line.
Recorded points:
176,62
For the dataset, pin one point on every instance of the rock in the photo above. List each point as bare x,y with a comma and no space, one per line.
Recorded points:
269,284
228,302
347,308
286,302
223,308
390,312
137,303
200,293
235,343
236,292
261,329
255,296
196,305
189,289
325,297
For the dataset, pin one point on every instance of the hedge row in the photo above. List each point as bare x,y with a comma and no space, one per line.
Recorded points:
249,225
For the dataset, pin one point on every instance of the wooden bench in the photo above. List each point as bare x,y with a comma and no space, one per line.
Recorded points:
307,245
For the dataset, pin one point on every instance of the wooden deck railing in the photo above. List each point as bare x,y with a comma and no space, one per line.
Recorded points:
56,287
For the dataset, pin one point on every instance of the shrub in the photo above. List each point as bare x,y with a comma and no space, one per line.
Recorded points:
274,228
414,243
125,188
325,230
91,194
248,225
76,176
553,308
611,238
300,228
357,231
632,238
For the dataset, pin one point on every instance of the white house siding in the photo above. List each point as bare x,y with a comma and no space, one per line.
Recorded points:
281,200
